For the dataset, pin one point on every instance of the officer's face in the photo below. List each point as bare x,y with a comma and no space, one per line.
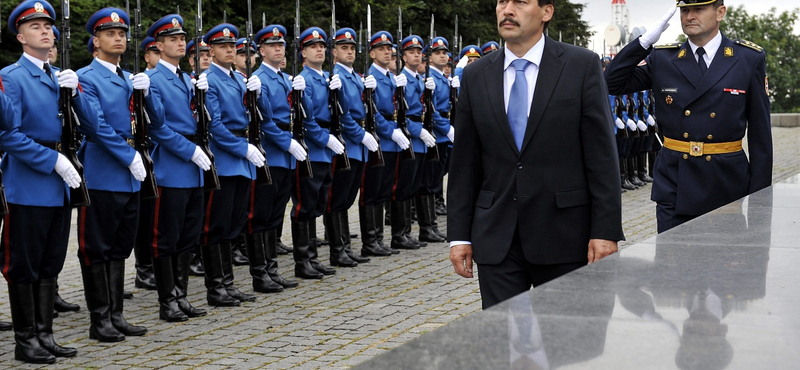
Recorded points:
223,53
345,54
112,42
472,59
701,23
151,57
382,55
52,55
412,58
36,34
314,54
172,47
241,61
521,21
439,58
273,54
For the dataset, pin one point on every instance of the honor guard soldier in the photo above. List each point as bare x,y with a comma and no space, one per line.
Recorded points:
265,216
393,140
6,125
236,159
205,56
409,173
241,56
489,47
151,53
432,180
393,64
468,54
358,143
52,55
311,195
710,91
114,171
177,214
37,182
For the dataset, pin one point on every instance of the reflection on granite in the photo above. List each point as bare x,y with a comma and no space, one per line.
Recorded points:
719,292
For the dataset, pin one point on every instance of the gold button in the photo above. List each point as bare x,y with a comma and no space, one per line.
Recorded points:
708,158
685,135
710,137
687,113
713,115
685,156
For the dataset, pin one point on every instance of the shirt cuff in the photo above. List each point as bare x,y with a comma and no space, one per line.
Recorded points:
459,242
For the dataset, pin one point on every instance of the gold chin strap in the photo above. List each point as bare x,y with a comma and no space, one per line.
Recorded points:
683,3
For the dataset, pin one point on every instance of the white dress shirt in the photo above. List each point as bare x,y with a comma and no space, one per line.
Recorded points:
711,48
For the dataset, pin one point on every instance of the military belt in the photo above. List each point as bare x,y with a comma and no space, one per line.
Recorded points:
284,126
55,145
192,137
360,122
445,115
415,118
130,141
699,148
324,124
239,133
389,117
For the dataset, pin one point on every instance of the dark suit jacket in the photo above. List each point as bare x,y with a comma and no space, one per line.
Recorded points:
562,188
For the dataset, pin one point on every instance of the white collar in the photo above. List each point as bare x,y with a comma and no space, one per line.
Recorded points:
277,71
534,55
36,61
436,69
346,68
380,69
169,66
111,67
226,71
711,46
412,73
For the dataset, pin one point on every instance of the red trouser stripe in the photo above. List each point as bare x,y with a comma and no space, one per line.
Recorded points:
156,212
207,221
363,177
330,189
396,176
252,207
82,237
297,190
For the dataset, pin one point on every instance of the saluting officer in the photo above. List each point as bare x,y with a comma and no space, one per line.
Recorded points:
37,181
358,143
710,90
114,170
177,214
265,216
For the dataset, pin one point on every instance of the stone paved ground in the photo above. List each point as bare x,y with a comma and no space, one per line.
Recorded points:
332,324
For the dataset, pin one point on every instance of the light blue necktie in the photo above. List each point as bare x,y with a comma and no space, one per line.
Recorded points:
518,102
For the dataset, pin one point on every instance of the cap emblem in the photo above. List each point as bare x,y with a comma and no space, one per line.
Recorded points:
440,42
315,34
347,35
275,32
175,23
383,37
414,41
226,32
38,7
472,50
115,17
494,47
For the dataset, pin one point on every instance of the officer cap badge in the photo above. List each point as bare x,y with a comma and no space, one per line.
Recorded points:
175,23
494,47
114,17
669,99
414,41
383,37
347,35
38,7
441,42
728,51
275,32
315,34
226,32
682,53
472,50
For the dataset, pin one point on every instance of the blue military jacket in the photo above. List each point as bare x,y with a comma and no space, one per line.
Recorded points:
719,106
316,99
414,90
383,96
350,96
441,102
29,168
276,88
106,155
171,117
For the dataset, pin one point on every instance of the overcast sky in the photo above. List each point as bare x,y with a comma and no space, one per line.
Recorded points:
645,13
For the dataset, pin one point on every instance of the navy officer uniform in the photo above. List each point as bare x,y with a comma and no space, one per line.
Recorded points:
36,228
703,114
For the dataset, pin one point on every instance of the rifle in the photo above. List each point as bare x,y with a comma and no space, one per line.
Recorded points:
210,177
427,100
254,117
140,120
70,138
400,93
375,158
632,114
298,113
3,201
341,161
126,57
453,90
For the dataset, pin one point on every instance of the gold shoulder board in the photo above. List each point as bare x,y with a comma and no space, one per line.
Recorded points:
749,44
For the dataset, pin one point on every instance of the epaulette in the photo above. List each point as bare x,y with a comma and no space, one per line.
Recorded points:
749,44
673,45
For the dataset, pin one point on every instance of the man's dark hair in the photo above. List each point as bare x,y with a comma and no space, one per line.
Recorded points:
548,2
718,4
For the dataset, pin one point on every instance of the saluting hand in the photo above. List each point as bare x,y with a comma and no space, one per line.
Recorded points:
652,35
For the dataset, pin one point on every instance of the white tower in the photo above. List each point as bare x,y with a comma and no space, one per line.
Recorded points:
620,14
616,33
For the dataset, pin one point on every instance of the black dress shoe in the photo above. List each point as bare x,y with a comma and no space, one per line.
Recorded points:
5,326
325,270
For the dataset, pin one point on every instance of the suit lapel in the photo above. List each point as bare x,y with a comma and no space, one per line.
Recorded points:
687,65
38,72
174,78
719,67
494,86
549,73
107,74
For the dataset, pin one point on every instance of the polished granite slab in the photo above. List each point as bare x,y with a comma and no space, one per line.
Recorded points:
719,292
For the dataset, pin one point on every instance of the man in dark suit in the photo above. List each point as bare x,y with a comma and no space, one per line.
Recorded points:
534,185
709,91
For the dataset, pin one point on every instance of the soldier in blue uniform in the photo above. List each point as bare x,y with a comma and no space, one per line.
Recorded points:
6,124
311,195
151,53
177,215
709,91
468,54
205,56
236,159
37,180
489,47
358,143
113,170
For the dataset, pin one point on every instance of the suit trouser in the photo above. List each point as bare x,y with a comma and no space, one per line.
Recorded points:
34,243
309,196
345,187
226,210
515,275
267,203
107,229
177,216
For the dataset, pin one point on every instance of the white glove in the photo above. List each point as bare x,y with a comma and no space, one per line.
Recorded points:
451,135
619,123
430,84
141,81
401,80
254,156
651,36
370,83
462,62
427,138
400,139
290,77
67,78
651,120
67,172
335,83
253,83
641,125
370,142
631,124
137,168
335,145
201,159
297,151
299,83
455,82
202,82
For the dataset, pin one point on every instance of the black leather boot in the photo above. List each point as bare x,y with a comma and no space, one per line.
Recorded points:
425,217
271,253
239,251
196,264
634,179
216,294
282,248
640,168
262,282
227,273
333,229
181,265
378,217
434,222
626,184
168,309
344,221
369,239
44,292
408,210
27,349
145,278
116,292
5,326
302,257
61,305
399,239
313,259
98,301
441,208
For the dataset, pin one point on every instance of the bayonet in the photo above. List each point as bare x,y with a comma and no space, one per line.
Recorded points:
427,99
298,113
400,92
210,177
140,121
263,175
